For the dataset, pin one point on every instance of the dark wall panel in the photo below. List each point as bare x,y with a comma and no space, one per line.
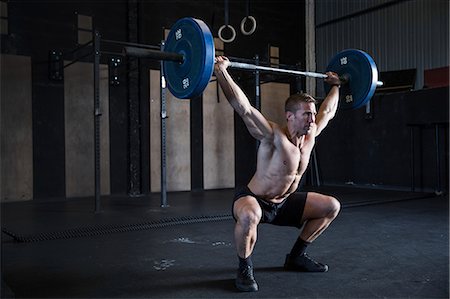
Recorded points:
197,144
48,142
279,23
48,131
118,111
376,151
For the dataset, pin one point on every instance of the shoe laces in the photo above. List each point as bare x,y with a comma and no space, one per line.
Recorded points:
310,260
247,272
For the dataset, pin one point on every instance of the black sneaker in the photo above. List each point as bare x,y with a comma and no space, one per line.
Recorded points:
304,263
245,281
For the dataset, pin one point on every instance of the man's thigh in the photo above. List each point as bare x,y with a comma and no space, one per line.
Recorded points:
317,206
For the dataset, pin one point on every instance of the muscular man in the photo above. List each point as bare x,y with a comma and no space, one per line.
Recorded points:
282,158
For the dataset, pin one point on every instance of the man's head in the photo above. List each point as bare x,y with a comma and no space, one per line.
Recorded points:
300,112
293,102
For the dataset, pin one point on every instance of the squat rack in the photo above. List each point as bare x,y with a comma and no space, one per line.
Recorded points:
56,66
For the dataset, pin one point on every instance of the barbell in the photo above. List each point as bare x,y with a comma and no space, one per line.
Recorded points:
189,56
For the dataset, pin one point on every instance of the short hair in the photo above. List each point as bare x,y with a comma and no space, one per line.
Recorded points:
293,101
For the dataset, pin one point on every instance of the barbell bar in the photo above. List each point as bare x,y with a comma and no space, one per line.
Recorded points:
248,66
189,57
154,54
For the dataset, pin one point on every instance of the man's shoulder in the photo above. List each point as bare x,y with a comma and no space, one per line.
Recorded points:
276,136
276,127
310,137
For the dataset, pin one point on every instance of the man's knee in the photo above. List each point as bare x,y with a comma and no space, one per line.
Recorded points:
248,215
334,207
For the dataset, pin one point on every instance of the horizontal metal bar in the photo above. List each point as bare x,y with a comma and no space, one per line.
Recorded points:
160,55
78,59
117,42
247,66
262,63
153,54
240,59
113,53
79,47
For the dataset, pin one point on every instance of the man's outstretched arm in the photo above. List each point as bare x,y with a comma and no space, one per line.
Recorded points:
256,123
329,106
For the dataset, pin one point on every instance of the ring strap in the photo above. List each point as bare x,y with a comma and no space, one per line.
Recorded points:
247,7
226,12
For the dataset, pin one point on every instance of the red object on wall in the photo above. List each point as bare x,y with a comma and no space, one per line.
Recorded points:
438,77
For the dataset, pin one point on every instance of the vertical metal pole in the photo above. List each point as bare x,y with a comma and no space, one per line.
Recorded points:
316,168
163,135
369,110
438,160
257,93
134,104
298,80
257,86
97,118
412,160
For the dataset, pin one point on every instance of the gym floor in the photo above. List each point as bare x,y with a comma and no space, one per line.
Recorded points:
387,244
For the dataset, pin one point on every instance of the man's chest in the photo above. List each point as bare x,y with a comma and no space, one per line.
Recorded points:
294,158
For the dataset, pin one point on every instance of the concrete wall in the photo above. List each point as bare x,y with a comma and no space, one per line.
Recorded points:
178,155
16,154
79,130
218,140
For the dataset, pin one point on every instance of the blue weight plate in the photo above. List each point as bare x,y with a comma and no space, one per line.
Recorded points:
193,39
362,72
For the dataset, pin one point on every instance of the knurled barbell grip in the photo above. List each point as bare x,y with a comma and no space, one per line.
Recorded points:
247,66
240,65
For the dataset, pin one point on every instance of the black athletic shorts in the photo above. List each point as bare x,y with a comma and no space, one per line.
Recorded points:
287,213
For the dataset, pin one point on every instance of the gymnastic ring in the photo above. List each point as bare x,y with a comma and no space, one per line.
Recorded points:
233,33
244,20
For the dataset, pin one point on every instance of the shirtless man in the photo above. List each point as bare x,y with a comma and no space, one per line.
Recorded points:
282,158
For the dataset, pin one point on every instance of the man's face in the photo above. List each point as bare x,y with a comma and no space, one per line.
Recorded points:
304,118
